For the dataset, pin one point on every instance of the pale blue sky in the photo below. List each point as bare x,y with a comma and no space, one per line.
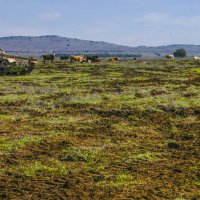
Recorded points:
127,22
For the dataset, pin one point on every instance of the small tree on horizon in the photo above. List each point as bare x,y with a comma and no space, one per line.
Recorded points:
180,53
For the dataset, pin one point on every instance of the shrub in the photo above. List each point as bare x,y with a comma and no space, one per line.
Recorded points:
180,53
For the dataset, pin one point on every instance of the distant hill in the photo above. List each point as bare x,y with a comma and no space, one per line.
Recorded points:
191,49
48,43
26,45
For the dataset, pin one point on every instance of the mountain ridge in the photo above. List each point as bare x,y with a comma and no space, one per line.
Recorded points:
35,45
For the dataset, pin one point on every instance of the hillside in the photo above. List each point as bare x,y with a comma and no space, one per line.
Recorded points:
26,45
36,45
191,49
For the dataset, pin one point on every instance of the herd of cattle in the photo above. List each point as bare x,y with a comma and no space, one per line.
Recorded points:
94,58
77,58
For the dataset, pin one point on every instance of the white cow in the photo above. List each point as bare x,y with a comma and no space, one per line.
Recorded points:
196,58
170,56
2,51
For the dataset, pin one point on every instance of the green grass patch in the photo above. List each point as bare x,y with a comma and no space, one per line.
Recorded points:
121,180
55,168
9,145
84,154
148,156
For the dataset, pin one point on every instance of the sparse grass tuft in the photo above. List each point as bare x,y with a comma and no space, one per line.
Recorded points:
80,154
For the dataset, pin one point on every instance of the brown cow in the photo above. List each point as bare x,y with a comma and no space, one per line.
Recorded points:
79,58
50,57
113,59
98,60
32,61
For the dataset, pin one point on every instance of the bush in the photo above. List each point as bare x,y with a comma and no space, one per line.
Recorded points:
180,53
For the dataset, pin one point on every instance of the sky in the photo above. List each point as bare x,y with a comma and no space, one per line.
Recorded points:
125,22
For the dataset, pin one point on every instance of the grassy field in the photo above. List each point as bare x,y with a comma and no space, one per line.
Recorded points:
126,130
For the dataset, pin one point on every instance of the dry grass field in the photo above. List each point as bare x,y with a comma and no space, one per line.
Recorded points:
125,130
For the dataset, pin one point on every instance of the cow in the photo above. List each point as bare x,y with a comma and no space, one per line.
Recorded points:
196,58
78,58
92,58
98,60
113,59
2,51
50,57
170,57
32,61
64,57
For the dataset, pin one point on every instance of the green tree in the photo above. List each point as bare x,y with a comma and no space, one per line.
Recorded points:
180,53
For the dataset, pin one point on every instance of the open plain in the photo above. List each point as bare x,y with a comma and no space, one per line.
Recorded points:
124,130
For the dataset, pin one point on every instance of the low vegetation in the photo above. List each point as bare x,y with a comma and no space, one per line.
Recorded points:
124,130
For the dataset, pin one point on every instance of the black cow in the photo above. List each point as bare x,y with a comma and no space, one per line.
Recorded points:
92,58
50,57
64,57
